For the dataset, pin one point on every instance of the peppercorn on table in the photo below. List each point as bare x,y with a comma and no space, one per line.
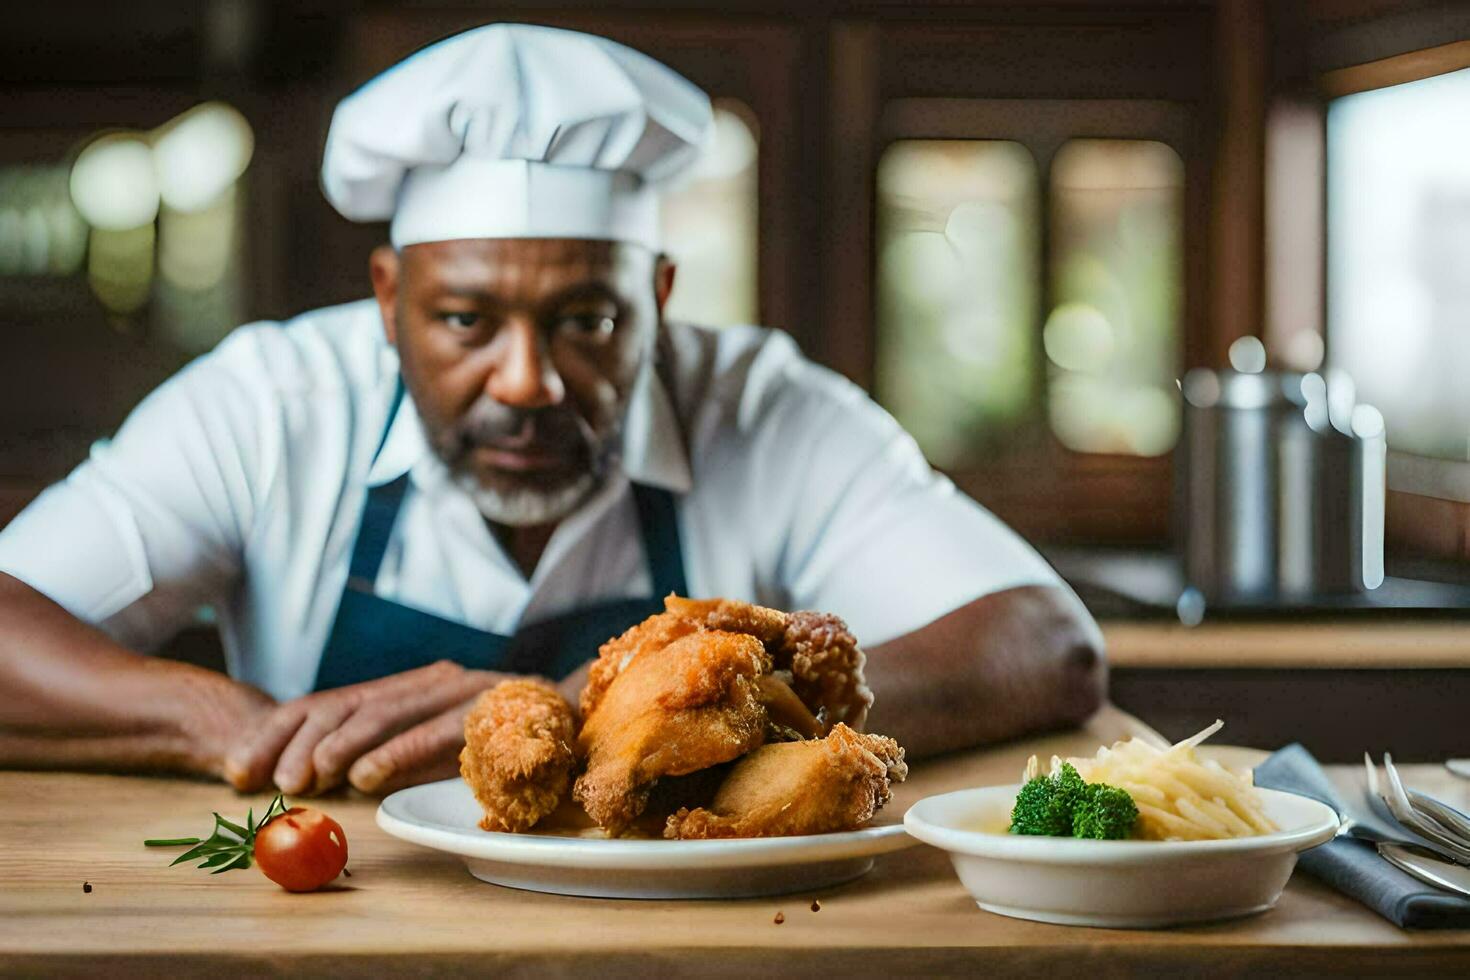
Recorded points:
81,895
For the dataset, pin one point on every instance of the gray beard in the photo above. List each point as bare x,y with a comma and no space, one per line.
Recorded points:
526,507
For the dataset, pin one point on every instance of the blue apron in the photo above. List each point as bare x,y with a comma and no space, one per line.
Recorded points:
372,637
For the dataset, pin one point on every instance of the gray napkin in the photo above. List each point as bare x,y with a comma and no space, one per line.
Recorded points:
1353,866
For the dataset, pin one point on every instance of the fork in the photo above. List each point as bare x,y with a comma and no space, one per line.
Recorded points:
1446,830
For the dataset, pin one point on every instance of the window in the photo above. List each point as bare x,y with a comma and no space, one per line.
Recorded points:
710,226
957,287
1112,335
962,339
1398,257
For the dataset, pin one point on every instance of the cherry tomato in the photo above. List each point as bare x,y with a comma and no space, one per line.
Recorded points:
301,850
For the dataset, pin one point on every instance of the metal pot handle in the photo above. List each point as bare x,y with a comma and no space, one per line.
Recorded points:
1368,426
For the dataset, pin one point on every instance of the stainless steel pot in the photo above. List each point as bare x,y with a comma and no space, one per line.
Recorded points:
1279,487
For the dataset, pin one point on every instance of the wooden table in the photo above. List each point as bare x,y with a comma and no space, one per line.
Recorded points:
415,912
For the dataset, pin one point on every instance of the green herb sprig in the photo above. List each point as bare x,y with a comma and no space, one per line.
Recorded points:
230,846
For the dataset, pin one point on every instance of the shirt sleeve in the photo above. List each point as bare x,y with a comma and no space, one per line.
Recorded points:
152,525
874,534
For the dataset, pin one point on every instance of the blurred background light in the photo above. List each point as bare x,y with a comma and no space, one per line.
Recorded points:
11,241
1314,391
113,183
1368,422
200,154
68,231
140,210
1201,388
194,246
1398,301
1342,398
1248,355
40,230
957,271
1303,351
1078,337
710,226
973,225
120,267
925,272
732,149
1112,337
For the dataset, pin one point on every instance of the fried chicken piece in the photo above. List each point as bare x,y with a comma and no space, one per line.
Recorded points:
821,654
788,719
813,653
733,616
614,656
669,711
826,664
680,618
811,787
518,753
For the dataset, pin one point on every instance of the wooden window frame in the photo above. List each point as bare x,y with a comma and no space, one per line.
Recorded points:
1081,494
1428,498
1411,66
1115,73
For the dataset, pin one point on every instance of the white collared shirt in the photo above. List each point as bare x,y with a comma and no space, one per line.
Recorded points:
239,483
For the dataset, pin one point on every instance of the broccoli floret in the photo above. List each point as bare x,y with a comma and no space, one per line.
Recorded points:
1045,804
1065,805
1069,786
1104,813
1039,811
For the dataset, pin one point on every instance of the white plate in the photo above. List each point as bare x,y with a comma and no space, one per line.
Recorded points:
445,816
1123,883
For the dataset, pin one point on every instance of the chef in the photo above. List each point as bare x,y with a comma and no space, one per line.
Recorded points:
501,460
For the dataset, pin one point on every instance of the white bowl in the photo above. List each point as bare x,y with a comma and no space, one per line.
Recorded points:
1122,883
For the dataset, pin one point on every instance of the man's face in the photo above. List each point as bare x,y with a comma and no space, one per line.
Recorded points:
520,355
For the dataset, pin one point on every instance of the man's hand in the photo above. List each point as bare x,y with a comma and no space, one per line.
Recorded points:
430,749
381,734
72,697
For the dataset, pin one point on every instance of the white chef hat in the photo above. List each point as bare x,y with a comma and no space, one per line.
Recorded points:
514,131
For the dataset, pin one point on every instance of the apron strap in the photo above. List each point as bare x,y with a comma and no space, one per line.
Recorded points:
379,514
659,520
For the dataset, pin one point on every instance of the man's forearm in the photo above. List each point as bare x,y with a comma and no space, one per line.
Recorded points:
1015,662
71,697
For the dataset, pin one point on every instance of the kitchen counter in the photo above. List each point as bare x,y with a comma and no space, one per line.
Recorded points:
410,910
1316,644
1391,684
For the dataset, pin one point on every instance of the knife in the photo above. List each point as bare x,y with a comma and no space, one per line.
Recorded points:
1427,867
